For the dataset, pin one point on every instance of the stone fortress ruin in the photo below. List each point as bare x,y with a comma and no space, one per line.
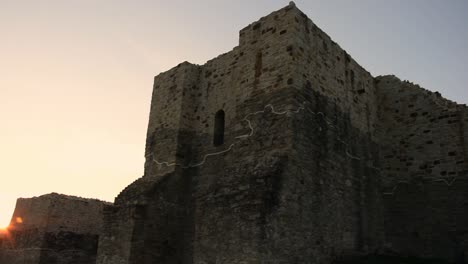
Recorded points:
283,150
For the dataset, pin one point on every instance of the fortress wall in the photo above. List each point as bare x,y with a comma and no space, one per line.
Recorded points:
330,189
30,213
324,67
217,204
424,171
22,244
237,192
53,228
31,256
115,241
188,96
246,75
297,179
248,197
263,165
165,122
164,226
336,147
72,214
55,213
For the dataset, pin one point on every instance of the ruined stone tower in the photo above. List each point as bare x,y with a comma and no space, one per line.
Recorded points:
292,181
279,151
285,150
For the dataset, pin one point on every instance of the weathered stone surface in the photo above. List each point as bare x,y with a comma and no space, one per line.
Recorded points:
303,174
301,177
424,171
53,229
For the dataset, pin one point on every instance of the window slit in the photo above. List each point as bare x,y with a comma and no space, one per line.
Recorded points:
218,138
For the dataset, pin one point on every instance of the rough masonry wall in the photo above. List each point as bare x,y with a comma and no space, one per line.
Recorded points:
333,186
23,242
237,193
167,121
424,171
53,229
245,199
232,185
308,135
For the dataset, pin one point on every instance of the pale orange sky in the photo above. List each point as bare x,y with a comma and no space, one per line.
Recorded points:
76,76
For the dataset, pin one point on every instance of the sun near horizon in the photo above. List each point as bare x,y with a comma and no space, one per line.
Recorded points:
4,228
11,223
4,224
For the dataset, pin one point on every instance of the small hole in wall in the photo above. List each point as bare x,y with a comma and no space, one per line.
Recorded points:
218,135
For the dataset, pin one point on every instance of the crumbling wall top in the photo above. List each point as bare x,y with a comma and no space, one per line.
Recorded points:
57,212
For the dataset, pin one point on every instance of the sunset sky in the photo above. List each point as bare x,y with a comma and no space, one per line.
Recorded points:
76,75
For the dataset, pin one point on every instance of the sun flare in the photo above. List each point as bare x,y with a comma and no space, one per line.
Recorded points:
3,229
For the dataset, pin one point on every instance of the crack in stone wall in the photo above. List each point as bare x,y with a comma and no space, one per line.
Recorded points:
289,113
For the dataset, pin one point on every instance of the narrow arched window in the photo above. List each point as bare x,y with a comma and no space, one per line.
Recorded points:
218,138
